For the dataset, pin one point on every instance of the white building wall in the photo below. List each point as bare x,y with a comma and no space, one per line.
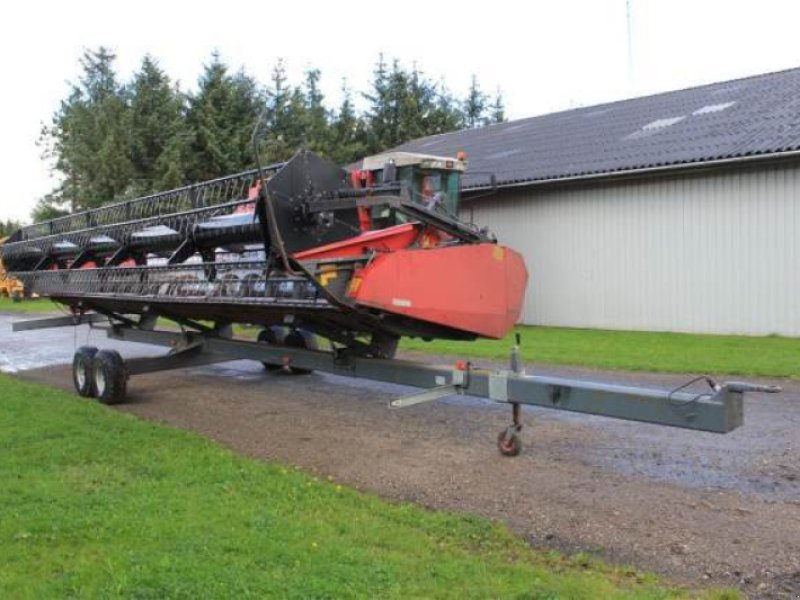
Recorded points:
713,253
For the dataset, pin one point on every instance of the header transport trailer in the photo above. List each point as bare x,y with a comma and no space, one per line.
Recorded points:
309,252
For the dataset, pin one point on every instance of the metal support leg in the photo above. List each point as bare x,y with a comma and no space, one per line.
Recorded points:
508,442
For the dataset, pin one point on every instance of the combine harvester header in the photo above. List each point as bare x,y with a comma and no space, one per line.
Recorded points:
307,250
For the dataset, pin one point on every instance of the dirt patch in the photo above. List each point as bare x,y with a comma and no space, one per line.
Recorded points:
442,455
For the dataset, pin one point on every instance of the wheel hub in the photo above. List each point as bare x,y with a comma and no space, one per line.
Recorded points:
100,382
80,374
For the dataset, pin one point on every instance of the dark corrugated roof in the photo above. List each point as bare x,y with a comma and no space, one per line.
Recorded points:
744,117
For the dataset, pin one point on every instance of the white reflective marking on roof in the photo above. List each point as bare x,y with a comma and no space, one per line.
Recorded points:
654,127
503,154
713,108
514,127
662,123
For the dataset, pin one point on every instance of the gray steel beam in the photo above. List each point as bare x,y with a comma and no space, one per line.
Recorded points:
718,410
65,321
180,360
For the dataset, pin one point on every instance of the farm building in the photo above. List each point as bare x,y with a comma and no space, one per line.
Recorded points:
675,212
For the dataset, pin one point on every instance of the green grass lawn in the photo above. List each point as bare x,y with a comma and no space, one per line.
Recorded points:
31,305
770,356
98,504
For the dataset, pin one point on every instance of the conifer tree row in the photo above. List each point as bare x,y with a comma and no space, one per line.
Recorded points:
110,140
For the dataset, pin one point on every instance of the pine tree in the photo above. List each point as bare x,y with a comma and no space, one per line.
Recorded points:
8,227
248,101
221,117
109,141
48,207
379,113
498,109
348,132
446,115
278,136
158,132
475,106
405,105
89,139
411,96
317,132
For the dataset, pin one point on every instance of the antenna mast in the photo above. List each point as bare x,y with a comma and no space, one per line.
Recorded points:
630,43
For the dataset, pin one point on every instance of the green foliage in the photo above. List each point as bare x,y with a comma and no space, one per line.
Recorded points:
477,109
404,105
770,356
282,133
475,106
111,141
497,109
98,504
89,138
49,207
221,117
8,227
159,134
349,132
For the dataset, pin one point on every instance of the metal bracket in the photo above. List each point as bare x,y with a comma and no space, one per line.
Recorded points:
427,396
498,386
459,382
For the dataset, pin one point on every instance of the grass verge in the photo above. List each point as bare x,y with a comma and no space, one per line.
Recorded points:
770,356
99,504
30,305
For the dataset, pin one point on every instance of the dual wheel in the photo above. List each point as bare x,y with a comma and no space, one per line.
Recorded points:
99,374
290,338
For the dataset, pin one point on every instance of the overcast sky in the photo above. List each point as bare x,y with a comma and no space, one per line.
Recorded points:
544,56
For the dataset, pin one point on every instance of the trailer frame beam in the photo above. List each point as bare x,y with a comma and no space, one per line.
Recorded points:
65,321
718,409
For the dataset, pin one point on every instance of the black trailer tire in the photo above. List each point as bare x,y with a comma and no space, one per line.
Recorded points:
110,377
83,371
300,338
269,336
